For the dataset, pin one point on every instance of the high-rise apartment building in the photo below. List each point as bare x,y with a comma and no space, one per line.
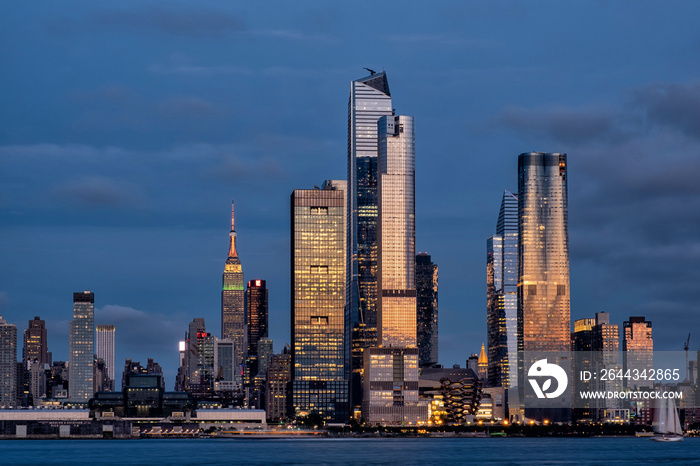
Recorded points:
81,341
8,364
502,319
257,314
370,99
105,348
391,369
543,252
427,309
638,350
320,369
279,377
233,323
35,343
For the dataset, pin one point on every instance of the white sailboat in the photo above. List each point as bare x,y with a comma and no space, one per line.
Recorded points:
667,424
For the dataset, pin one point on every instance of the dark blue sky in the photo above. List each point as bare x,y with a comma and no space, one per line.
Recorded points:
126,130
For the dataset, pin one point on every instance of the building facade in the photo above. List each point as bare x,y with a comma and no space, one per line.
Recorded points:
233,315
638,350
543,251
320,369
427,309
391,369
257,314
36,343
105,349
81,341
370,99
8,364
279,379
502,319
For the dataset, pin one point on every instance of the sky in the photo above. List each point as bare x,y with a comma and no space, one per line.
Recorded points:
127,128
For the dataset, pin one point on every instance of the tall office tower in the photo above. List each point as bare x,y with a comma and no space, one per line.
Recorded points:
638,350
391,370
427,309
196,331
224,369
35,343
543,252
369,100
233,324
504,338
320,368
105,348
257,314
8,364
279,377
81,342
606,344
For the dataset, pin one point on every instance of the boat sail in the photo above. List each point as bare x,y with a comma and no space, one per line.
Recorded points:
667,424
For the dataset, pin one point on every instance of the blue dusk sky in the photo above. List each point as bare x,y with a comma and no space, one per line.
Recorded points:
127,128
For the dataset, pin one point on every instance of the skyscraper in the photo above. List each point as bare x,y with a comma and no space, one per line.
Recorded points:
503,322
369,100
233,324
35,343
391,370
105,349
638,350
81,341
320,369
8,364
257,314
427,309
543,252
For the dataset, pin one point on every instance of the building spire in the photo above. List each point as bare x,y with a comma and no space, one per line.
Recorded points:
232,246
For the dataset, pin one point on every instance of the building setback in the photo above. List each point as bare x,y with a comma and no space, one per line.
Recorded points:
320,369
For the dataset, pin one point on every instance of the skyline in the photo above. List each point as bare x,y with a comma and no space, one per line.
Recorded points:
117,163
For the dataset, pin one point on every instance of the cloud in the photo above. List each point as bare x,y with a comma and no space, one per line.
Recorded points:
190,108
100,191
568,125
185,22
672,105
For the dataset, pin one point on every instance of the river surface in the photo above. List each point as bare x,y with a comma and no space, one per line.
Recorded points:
404,451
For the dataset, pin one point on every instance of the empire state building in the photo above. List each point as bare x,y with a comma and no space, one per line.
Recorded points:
232,301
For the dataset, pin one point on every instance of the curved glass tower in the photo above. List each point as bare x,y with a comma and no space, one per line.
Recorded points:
543,250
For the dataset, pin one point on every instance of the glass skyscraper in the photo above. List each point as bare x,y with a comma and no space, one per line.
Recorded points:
105,348
81,340
257,318
370,99
320,370
543,252
233,318
503,323
391,369
427,309
637,349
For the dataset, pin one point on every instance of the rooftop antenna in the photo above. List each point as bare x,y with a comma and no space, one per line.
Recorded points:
371,72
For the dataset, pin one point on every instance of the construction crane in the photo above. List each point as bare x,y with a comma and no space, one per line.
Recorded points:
687,368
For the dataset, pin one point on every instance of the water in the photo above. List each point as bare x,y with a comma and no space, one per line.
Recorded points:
404,451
